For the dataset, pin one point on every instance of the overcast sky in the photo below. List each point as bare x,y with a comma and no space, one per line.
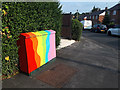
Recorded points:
85,5
89,0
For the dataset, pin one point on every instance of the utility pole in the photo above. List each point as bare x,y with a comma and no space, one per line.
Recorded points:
77,14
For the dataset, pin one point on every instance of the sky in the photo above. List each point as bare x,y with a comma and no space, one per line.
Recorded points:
85,5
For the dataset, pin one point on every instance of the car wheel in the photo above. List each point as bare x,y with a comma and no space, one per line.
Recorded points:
105,31
109,33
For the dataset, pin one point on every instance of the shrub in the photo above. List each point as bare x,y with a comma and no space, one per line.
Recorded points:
21,17
111,25
77,28
106,19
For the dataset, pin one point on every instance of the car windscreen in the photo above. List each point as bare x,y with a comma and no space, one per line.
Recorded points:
117,26
104,26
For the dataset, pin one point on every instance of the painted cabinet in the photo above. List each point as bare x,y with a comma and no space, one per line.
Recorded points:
36,49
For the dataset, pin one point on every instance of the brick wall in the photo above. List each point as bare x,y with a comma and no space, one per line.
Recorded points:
115,18
95,20
101,17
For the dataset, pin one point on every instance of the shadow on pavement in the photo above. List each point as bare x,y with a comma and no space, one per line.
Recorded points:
92,65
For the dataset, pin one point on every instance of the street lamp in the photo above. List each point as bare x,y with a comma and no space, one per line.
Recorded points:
77,14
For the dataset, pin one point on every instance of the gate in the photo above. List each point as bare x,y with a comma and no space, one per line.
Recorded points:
66,26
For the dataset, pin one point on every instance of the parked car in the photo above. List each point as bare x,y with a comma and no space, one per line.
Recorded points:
99,28
114,31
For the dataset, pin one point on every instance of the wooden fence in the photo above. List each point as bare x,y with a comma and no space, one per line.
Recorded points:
66,26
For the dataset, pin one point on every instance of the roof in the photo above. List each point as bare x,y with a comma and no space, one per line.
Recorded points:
97,12
93,13
81,16
116,7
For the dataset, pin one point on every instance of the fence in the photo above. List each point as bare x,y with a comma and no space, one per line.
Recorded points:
66,26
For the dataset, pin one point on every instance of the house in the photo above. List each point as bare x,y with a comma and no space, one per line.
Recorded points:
81,17
96,16
114,13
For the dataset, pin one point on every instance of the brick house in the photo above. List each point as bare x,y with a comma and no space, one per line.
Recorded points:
114,14
96,17
81,17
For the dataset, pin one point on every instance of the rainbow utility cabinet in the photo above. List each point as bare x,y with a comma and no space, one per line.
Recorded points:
36,49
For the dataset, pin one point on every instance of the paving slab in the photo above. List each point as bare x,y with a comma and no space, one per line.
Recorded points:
64,43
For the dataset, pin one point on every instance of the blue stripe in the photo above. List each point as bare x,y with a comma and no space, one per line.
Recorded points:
47,45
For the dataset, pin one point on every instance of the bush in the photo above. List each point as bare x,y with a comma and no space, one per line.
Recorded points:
111,25
22,17
77,28
106,19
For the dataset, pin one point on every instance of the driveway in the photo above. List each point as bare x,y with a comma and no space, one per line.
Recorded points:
96,64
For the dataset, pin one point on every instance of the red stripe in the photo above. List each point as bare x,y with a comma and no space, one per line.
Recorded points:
35,45
30,55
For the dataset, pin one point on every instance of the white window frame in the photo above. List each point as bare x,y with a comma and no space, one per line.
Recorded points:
96,17
108,12
114,12
90,17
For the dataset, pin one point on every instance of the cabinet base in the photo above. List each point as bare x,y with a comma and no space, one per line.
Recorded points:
40,68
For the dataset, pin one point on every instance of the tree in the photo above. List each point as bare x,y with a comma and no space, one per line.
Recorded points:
95,9
85,13
106,19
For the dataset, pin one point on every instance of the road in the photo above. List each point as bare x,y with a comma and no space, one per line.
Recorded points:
102,38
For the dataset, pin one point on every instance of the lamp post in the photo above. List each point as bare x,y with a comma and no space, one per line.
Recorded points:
77,14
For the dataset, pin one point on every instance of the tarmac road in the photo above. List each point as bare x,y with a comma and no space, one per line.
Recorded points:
102,38
97,63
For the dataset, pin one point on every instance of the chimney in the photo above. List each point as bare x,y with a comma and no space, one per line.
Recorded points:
106,8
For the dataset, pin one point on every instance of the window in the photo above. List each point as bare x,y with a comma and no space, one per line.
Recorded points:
114,12
108,12
93,17
90,17
96,17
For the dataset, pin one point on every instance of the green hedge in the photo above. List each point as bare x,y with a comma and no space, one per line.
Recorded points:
21,17
77,28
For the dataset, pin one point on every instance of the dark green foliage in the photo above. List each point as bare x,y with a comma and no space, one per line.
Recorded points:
106,19
77,28
24,17
111,25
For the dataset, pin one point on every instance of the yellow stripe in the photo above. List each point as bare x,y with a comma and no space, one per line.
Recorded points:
40,48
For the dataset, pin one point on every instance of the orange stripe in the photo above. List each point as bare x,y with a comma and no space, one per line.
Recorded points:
35,45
